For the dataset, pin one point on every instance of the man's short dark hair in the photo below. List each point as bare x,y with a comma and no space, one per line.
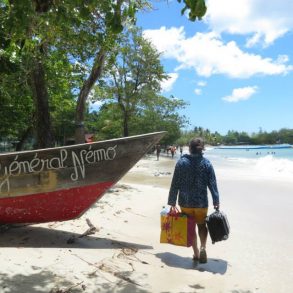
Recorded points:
196,145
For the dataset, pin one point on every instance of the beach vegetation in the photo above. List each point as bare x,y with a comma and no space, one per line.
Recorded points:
282,136
131,91
45,42
52,55
161,115
133,79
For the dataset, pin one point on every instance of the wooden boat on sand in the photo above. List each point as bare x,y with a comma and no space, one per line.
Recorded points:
60,184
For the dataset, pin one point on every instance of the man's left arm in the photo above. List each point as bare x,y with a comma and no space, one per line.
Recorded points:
212,185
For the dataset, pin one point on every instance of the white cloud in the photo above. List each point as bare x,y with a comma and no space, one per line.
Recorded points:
262,21
166,40
202,83
198,92
241,94
167,84
208,54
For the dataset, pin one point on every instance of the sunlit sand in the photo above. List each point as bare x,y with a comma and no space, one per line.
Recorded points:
124,254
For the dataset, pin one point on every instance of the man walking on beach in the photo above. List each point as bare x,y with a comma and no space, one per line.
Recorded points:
192,176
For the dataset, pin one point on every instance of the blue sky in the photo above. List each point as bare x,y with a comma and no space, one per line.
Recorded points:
234,67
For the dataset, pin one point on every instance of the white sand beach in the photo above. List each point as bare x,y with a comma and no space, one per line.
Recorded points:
124,255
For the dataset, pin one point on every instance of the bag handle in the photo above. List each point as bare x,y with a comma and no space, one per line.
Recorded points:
174,211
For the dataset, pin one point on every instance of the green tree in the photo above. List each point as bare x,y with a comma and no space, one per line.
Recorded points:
106,123
196,8
16,108
134,78
37,31
38,36
161,113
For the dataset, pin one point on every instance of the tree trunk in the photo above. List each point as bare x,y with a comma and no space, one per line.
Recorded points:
125,125
41,99
96,72
125,115
19,145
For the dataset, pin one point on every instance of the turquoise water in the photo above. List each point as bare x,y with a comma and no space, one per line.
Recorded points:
250,153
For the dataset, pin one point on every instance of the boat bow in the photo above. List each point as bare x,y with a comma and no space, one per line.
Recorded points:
59,184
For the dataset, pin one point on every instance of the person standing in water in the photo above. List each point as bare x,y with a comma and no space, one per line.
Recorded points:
193,175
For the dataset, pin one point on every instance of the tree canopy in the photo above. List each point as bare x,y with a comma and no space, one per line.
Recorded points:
134,78
52,54
130,91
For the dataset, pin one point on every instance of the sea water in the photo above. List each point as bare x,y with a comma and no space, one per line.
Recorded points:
268,162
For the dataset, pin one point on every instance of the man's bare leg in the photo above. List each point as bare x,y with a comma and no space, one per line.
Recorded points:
203,235
195,248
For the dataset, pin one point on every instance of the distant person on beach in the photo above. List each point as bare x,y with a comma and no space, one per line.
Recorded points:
158,151
173,150
181,150
168,148
192,176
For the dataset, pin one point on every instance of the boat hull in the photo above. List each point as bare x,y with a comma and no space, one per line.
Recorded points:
61,205
62,183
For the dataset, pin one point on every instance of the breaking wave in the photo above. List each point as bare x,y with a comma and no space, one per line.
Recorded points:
266,165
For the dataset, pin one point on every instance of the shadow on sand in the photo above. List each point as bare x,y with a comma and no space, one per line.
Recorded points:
40,237
47,281
215,266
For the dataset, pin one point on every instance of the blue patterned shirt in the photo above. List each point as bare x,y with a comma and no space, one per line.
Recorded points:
192,176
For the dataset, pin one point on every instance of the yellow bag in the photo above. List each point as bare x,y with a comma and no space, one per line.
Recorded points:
177,228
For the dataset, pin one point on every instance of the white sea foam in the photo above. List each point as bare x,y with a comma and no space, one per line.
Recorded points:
268,167
277,167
